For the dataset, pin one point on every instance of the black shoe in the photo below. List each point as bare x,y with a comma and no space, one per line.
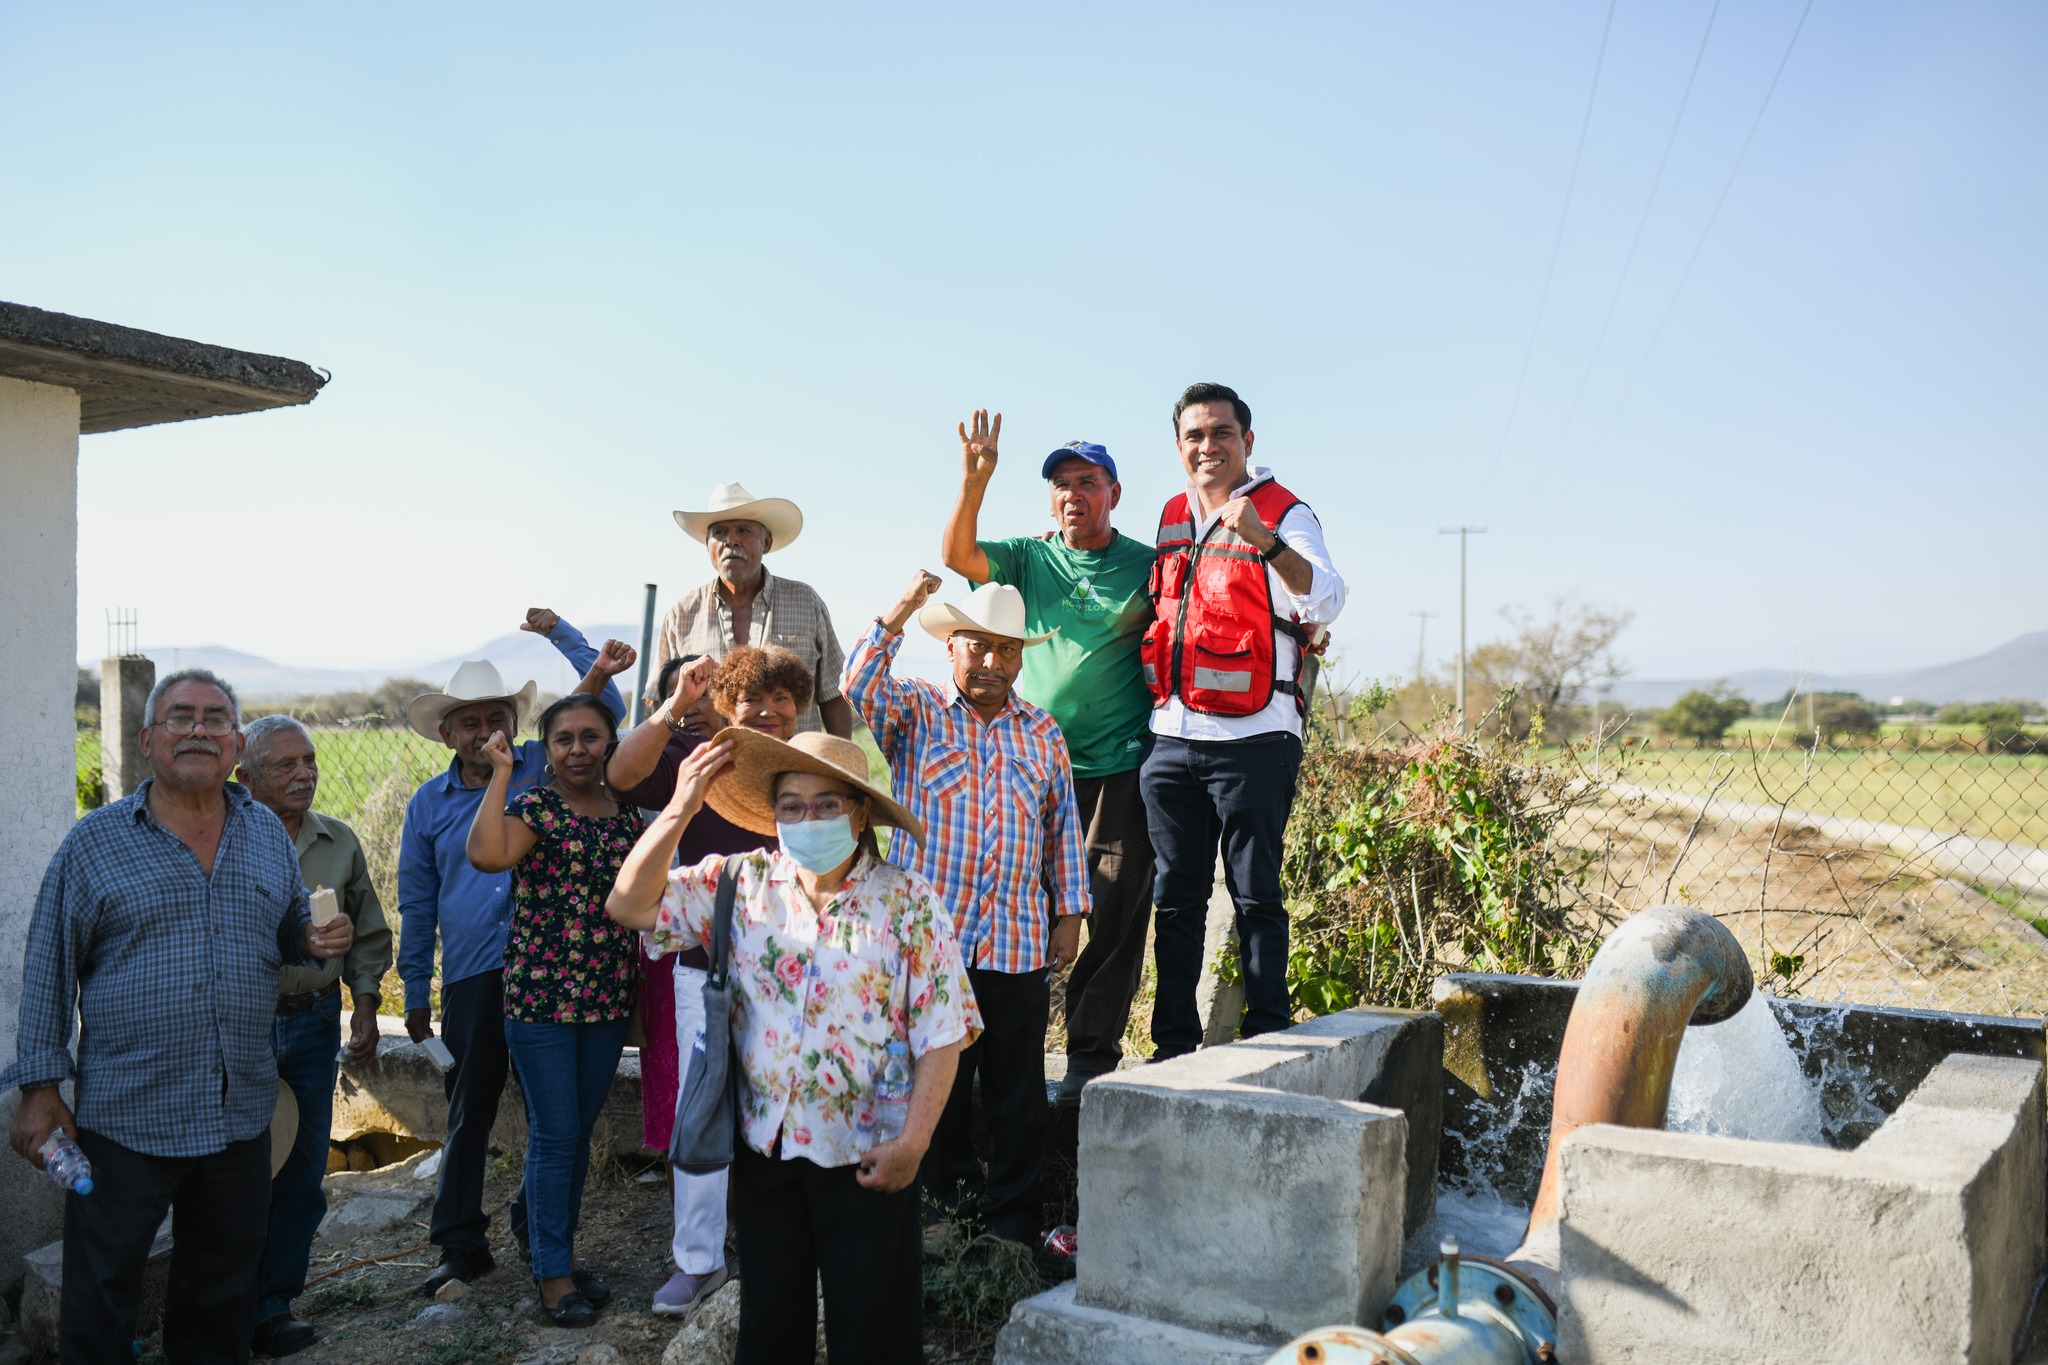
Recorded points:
1065,1093
458,1265
591,1287
282,1335
572,1310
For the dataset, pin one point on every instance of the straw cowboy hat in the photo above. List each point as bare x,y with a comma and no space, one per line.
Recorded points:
744,792
731,502
996,608
477,680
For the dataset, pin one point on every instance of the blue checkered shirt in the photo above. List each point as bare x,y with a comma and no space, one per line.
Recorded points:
172,974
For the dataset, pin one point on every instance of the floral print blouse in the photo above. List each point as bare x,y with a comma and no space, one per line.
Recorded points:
566,961
820,994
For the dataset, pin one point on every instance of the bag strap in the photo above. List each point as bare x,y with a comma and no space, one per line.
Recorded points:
721,917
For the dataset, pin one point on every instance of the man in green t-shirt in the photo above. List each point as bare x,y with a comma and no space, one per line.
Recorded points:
1085,580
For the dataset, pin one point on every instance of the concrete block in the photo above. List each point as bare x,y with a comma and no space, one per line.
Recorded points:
1245,1191
124,688
42,1289
1054,1328
1923,1244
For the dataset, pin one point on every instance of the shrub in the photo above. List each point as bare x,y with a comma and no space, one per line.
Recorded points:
1703,716
1439,854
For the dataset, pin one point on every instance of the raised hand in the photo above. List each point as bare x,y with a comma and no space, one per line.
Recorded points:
691,681
978,447
615,658
498,749
923,584
1240,516
693,778
540,620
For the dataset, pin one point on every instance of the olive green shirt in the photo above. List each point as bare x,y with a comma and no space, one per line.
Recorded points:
331,856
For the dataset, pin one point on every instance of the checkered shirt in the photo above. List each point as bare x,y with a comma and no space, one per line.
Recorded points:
173,975
1004,845
786,613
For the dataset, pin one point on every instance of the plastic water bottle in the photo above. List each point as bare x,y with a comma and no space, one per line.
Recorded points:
892,1094
65,1164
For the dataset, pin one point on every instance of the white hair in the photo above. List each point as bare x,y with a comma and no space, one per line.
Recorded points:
262,730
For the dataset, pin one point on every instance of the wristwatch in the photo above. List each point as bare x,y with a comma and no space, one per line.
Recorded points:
1272,552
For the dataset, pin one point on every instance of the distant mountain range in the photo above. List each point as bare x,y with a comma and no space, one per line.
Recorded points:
2018,668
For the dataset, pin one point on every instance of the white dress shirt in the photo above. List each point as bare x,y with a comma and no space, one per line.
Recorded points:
1316,607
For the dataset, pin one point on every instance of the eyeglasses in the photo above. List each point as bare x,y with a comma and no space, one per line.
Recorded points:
790,811
181,726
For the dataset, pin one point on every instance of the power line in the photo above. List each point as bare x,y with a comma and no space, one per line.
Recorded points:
1571,188
1698,247
1629,261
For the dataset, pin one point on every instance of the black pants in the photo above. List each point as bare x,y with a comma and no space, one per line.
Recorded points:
802,1226
221,1203
1100,987
473,1027
1199,793
1010,1055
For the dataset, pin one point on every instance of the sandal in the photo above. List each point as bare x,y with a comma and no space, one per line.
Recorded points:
571,1310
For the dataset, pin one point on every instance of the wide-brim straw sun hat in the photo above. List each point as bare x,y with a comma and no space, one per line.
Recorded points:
992,608
744,791
731,502
477,680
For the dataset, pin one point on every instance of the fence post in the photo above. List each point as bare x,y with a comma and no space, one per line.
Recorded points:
646,657
124,689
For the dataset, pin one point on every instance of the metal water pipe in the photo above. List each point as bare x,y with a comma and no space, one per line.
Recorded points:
1666,967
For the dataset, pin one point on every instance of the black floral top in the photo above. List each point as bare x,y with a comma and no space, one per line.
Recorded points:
566,961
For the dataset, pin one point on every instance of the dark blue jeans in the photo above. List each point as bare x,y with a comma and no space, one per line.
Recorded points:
1199,794
307,1047
565,1071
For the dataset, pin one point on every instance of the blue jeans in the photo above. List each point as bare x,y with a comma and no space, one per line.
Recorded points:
1199,794
307,1047
566,1072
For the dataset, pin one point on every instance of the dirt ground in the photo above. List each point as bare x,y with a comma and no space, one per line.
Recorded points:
1837,921
363,1295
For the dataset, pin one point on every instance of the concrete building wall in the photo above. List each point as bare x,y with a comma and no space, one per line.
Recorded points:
38,678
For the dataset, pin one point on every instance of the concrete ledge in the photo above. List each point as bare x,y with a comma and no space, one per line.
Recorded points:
1245,1191
1923,1244
1054,1329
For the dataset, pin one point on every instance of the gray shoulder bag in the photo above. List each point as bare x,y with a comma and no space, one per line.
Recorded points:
707,1102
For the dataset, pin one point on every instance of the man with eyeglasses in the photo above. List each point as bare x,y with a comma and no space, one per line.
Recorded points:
988,774
161,927
281,771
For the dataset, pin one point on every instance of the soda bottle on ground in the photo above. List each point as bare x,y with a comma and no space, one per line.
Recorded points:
892,1094
64,1163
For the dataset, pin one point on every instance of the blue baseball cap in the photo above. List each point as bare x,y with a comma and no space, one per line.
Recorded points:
1080,450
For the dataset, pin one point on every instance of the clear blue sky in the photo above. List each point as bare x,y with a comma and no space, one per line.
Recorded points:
570,266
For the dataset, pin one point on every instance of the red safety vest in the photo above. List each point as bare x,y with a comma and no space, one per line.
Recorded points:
1212,635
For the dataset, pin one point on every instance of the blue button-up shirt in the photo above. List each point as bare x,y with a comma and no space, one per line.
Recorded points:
438,890
172,973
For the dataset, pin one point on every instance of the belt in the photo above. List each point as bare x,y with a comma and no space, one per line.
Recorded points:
301,1001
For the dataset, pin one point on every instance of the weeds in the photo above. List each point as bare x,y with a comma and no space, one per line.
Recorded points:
354,1294
972,1284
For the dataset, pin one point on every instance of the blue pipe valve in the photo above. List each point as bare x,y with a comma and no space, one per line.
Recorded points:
1464,1310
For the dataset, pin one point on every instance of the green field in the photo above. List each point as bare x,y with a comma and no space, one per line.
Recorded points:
1989,796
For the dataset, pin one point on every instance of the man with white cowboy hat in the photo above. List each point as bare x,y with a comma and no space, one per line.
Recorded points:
988,775
746,605
439,893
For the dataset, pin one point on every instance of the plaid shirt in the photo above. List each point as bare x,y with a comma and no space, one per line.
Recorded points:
997,801
785,613
173,974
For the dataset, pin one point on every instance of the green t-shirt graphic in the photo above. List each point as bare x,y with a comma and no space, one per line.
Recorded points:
1087,675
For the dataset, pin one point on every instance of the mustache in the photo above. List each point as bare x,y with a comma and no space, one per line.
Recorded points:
973,676
301,789
197,746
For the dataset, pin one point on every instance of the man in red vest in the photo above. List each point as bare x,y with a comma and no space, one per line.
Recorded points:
1241,587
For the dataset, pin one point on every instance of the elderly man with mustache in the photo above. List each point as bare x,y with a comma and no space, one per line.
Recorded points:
987,774
281,771
161,927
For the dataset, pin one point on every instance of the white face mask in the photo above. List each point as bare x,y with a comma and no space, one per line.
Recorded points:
818,846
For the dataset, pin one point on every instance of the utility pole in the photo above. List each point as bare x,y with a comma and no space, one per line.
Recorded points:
1421,635
1461,532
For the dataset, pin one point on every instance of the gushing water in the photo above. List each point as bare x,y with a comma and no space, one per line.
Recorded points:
1740,1078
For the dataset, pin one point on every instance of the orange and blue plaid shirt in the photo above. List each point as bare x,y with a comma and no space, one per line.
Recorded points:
1003,845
